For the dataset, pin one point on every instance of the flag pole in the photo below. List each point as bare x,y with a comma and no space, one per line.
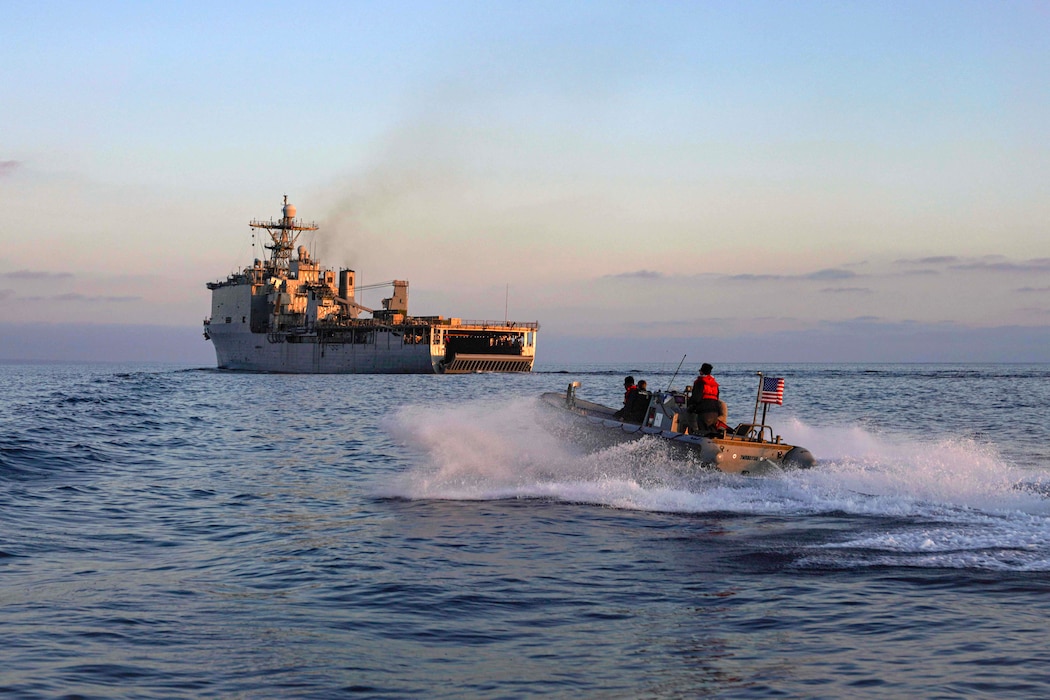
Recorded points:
757,397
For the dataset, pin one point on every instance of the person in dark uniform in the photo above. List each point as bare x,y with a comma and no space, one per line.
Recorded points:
637,403
703,403
629,389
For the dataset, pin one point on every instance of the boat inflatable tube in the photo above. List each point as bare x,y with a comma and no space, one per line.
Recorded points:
800,458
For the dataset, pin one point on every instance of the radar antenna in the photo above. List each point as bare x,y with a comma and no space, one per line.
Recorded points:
284,233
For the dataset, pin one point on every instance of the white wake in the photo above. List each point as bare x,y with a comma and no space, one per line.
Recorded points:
971,498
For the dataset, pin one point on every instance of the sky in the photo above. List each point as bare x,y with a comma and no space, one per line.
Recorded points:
735,181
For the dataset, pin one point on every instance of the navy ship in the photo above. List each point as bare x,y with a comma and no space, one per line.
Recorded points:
290,314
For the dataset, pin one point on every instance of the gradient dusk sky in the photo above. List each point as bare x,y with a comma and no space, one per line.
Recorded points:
739,181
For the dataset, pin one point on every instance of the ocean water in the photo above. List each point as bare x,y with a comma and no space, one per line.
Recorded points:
179,532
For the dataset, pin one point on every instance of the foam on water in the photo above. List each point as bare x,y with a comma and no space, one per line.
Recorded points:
953,502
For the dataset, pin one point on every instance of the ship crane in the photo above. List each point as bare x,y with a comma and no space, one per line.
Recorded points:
400,290
284,233
354,304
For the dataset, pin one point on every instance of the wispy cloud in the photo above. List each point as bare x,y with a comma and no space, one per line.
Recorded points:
75,296
8,167
934,260
36,275
827,274
756,278
989,263
1027,290
1033,265
638,274
831,274
846,290
863,320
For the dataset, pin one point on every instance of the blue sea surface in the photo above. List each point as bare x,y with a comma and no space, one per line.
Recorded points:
181,532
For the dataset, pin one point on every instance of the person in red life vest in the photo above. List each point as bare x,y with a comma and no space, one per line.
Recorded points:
703,405
629,389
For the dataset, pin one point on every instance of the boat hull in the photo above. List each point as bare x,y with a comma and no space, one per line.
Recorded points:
238,349
256,352
731,454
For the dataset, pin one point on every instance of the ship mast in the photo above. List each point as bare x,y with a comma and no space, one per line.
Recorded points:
284,233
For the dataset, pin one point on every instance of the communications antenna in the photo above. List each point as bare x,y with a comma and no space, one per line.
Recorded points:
284,233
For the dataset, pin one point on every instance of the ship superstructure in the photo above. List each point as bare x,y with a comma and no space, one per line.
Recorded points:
289,314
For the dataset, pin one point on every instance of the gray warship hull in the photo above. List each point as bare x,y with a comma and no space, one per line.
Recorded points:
383,350
256,352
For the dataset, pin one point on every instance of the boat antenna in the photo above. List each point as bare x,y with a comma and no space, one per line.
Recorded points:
675,374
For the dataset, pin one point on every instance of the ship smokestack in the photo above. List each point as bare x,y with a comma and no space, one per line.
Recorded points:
346,284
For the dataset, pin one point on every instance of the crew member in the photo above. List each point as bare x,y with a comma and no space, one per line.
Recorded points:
637,403
703,403
629,390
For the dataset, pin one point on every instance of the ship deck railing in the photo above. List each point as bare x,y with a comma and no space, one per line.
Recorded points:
436,321
527,325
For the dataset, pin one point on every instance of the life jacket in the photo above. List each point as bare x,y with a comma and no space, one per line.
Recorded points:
627,394
710,387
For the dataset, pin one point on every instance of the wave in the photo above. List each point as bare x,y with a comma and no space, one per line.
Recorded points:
942,502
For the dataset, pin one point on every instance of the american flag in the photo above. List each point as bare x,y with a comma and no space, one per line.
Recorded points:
772,390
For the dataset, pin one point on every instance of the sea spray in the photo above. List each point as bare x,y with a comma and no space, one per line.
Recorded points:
485,449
